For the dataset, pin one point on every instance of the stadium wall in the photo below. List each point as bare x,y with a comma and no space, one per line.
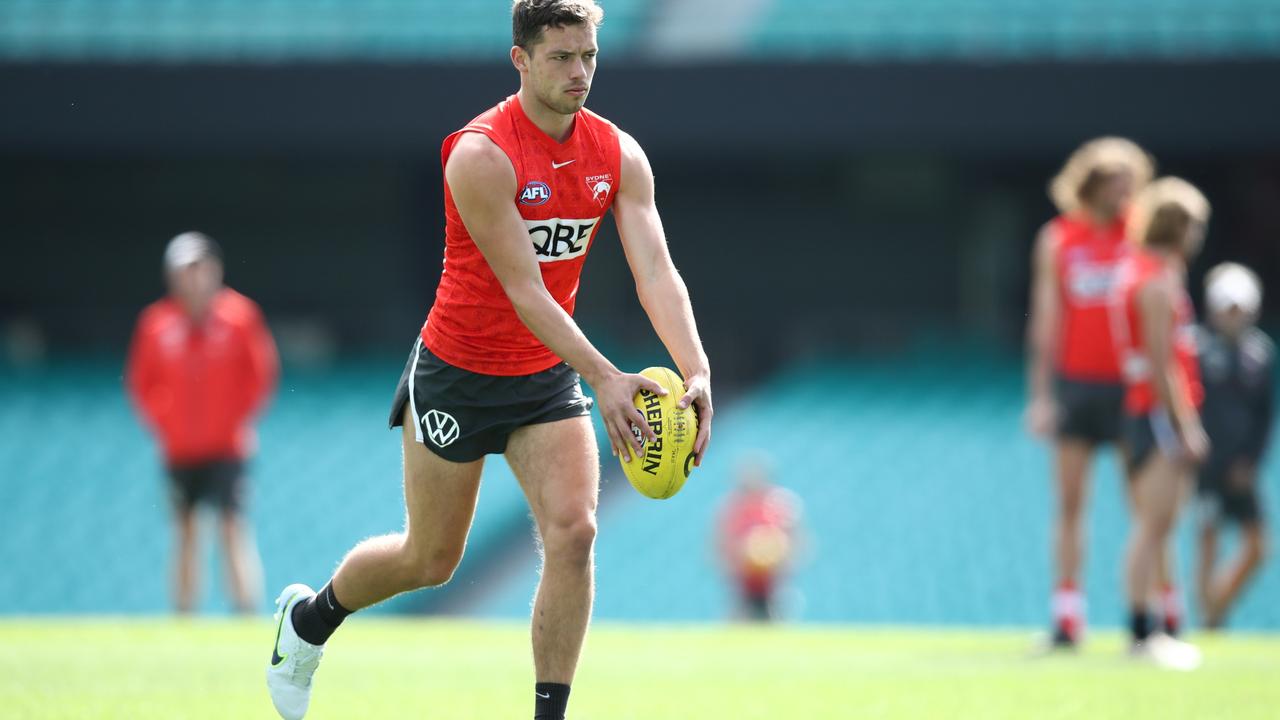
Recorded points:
812,206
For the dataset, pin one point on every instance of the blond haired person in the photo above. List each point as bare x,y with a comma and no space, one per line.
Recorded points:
1075,388
1155,334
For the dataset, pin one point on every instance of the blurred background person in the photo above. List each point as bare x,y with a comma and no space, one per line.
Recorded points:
1075,388
1237,361
201,366
758,538
1154,326
872,331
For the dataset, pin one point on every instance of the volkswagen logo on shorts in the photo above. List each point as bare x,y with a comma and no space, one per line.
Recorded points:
440,427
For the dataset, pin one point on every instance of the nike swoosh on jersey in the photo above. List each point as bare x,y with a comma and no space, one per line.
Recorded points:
557,166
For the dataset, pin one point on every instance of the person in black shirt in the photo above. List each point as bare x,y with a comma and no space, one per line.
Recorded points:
1237,363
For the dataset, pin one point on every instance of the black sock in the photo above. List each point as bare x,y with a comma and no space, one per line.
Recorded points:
1140,623
551,701
315,618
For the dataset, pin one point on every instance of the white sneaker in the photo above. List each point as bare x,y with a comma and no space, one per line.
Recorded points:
293,660
1167,652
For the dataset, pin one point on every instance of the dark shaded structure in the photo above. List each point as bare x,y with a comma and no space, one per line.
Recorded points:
813,207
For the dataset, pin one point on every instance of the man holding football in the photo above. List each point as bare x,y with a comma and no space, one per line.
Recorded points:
496,367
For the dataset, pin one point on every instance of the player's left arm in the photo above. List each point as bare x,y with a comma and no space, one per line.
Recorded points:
1264,407
661,289
262,362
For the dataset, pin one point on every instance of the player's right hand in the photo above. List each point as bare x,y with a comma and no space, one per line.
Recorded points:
615,395
1042,417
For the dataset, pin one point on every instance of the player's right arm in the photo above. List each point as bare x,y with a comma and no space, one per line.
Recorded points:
1156,301
1042,333
483,184
140,371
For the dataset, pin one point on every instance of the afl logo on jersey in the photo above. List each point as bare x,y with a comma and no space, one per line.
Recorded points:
535,192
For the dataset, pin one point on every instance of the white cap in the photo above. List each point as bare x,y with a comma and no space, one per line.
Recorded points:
1233,285
187,248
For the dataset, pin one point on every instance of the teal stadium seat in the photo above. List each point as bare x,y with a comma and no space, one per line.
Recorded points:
1018,29
274,30
84,521
926,501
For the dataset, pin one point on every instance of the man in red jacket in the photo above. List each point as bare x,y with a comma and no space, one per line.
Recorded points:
201,365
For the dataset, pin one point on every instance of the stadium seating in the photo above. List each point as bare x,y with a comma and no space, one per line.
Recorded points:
393,30
924,500
85,511
1018,29
270,30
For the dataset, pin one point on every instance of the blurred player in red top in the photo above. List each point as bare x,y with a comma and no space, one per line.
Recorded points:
1154,327
757,538
201,366
1074,376
496,368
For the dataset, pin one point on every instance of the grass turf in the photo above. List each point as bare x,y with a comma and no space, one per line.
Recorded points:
376,668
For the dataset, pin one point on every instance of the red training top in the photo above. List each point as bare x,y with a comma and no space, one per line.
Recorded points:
562,191
198,386
1140,398
1086,257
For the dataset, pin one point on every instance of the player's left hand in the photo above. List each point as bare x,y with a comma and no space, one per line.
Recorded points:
698,393
1195,442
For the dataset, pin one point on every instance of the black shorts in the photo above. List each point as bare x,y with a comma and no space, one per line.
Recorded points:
1089,411
1219,501
463,416
1147,434
219,483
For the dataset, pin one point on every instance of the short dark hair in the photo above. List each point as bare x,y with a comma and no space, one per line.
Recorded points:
529,17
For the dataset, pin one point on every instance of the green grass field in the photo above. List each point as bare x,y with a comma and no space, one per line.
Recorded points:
375,668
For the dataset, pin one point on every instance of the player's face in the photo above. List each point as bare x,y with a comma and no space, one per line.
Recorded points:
1233,321
561,66
1113,194
195,285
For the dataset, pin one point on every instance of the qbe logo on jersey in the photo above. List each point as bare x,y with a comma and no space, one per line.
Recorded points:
1090,283
558,239
535,192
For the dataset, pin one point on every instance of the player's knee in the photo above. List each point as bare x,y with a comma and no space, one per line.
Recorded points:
572,540
432,569
1069,512
1256,549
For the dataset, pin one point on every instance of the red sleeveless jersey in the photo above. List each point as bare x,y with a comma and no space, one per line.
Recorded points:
1086,258
563,191
1140,396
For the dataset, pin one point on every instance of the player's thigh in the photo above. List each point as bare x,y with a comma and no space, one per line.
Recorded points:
439,495
1160,483
558,467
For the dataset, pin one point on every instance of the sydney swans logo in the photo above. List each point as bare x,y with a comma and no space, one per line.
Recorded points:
600,185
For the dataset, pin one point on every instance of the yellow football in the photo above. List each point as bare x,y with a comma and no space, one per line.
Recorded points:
663,464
